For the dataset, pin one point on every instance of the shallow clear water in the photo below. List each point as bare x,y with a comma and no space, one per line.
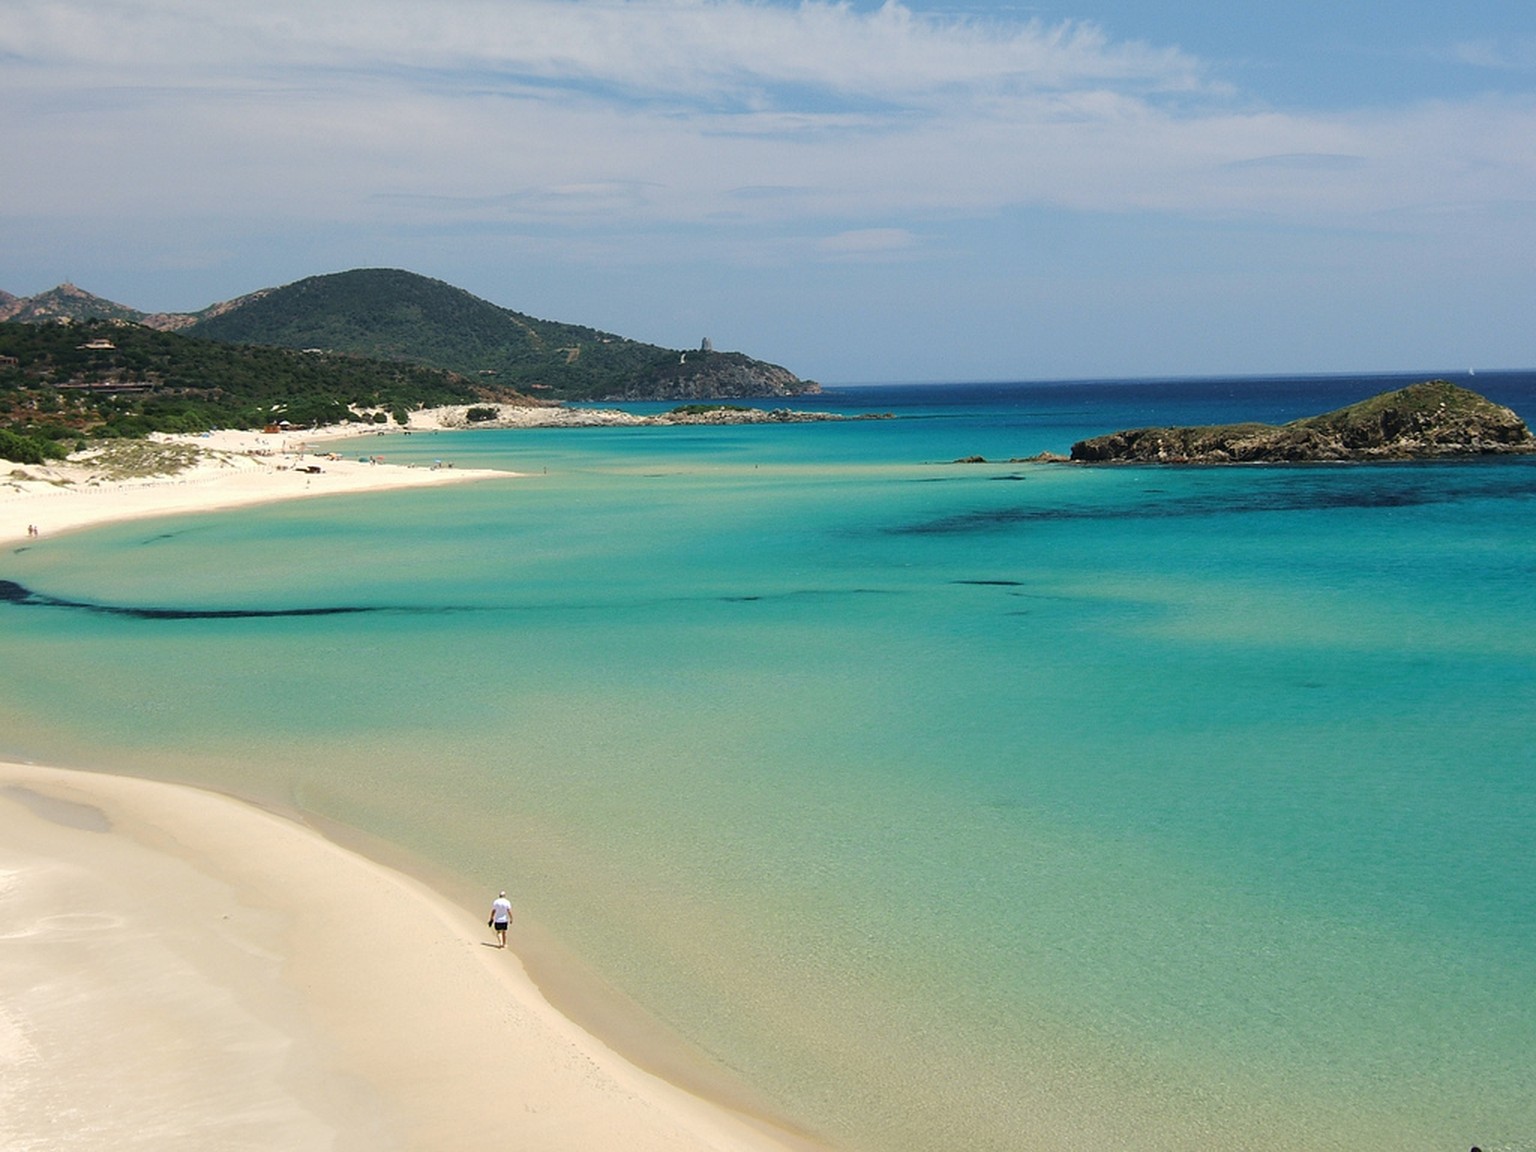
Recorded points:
957,806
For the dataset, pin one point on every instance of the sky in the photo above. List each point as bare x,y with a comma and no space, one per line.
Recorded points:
861,192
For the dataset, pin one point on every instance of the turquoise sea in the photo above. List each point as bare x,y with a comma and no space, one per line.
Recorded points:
949,806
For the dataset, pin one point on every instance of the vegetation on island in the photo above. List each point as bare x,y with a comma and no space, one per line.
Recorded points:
1434,419
701,409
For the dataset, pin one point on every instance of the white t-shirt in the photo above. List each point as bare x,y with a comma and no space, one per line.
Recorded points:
501,910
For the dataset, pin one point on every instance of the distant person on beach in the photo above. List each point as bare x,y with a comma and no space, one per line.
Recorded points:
501,918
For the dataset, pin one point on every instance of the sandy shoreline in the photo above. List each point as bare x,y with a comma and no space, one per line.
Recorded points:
180,970
231,468
227,470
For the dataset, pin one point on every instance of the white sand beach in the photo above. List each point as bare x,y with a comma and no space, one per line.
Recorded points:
218,470
230,468
182,970
179,970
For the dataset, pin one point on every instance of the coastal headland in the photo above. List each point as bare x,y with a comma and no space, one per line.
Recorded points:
182,970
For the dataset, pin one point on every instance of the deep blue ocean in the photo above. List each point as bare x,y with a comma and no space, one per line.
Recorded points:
948,806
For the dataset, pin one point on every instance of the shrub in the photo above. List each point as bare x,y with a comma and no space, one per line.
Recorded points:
28,449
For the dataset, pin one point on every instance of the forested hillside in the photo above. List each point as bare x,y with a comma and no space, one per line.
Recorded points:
62,382
397,315
388,315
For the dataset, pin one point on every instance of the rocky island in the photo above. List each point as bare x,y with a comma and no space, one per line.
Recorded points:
1432,420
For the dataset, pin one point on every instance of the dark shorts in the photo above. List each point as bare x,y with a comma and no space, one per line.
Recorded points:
499,925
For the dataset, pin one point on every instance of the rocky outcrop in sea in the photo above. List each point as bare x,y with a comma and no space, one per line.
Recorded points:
1432,420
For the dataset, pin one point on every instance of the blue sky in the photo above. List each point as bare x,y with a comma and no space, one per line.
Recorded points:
861,192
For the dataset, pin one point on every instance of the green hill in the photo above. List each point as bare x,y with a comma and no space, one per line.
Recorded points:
388,314
396,315
65,304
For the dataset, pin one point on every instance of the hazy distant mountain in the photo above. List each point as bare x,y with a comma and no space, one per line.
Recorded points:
396,315
66,302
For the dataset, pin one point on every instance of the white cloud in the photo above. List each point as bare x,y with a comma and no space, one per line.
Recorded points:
869,242
1497,55
702,48
643,114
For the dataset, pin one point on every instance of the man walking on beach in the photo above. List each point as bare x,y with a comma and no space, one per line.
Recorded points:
501,917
